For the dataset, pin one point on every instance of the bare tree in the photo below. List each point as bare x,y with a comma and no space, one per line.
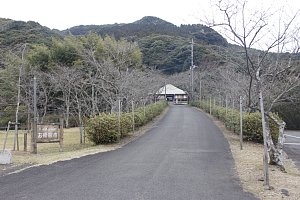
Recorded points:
63,79
253,28
114,71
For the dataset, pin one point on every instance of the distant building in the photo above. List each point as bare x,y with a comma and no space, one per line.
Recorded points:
172,93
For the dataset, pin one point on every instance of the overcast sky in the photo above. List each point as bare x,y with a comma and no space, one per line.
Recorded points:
63,14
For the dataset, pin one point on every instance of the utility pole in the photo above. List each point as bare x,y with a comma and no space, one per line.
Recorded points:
192,69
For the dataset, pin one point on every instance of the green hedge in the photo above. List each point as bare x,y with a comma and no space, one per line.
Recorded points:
103,128
252,125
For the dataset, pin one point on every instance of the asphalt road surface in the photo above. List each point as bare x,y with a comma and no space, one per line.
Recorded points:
185,156
292,146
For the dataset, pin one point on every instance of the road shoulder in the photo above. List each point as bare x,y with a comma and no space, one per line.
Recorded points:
249,168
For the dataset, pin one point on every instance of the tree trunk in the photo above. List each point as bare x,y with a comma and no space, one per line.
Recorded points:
45,105
16,137
67,114
266,132
276,156
67,99
275,153
93,100
80,124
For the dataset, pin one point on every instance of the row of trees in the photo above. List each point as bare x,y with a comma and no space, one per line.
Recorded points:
77,77
264,78
85,75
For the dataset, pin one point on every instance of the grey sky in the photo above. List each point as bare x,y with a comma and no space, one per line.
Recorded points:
63,14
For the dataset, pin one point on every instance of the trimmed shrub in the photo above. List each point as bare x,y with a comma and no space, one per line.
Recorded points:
104,128
252,125
139,119
125,124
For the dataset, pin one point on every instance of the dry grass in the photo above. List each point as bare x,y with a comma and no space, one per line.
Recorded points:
249,168
50,152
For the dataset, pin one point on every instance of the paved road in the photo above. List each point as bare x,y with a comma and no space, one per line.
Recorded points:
184,157
292,146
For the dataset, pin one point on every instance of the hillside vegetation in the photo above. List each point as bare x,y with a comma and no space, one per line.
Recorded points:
115,54
151,26
13,33
165,46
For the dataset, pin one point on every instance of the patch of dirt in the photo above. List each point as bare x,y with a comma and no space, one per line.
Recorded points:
249,168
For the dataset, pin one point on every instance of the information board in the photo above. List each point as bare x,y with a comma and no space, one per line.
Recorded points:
48,133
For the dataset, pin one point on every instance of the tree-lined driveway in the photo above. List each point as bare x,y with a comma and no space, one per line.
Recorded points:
185,156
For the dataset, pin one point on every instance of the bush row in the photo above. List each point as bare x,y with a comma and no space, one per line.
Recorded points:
252,125
104,128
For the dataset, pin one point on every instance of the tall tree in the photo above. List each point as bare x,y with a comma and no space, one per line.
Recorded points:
254,28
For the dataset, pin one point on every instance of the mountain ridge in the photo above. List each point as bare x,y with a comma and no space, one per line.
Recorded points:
164,45
13,33
150,25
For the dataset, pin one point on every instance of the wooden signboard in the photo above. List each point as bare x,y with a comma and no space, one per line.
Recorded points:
50,133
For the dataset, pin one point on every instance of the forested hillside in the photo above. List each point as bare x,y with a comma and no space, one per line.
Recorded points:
85,70
165,46
153,26
13,33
